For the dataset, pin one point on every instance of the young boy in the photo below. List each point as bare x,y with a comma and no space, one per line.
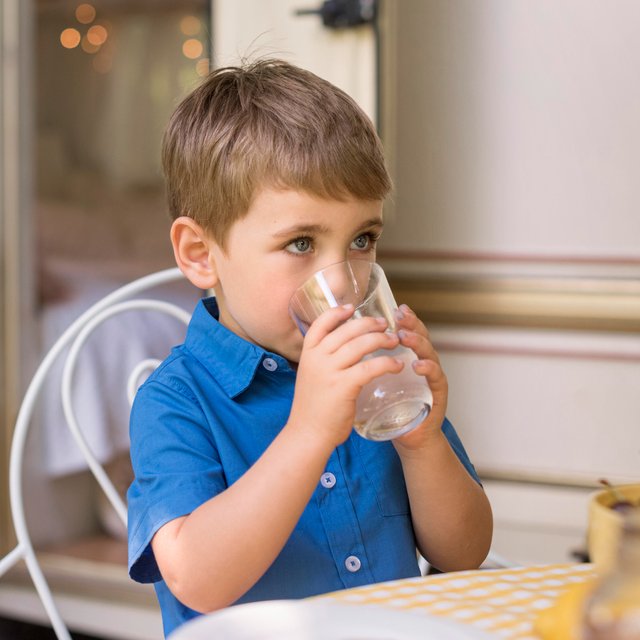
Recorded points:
249,481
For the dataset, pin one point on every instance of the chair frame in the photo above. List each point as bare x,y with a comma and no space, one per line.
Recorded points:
74,338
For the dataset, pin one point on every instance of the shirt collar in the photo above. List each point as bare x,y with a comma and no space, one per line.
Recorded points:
230,359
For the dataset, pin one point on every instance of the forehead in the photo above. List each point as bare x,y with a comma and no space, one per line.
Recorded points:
276,210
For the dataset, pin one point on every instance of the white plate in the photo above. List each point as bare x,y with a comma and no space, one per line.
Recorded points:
321,620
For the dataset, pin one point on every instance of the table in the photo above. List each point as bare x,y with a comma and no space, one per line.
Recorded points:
465,605
501,602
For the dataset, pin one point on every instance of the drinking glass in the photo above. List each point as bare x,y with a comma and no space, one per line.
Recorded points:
393,403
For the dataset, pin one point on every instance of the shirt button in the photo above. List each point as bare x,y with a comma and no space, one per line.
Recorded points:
353,564
327,480
269,364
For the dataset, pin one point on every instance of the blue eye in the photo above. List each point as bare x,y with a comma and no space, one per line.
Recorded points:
363,242
299,245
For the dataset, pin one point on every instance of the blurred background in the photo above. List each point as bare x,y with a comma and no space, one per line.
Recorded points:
513,136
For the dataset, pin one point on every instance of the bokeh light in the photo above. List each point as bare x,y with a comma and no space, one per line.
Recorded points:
89,47
202,67
85,13
70,38
192,48
97,35
190,25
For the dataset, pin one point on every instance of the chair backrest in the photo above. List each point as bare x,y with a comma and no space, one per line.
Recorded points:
69,345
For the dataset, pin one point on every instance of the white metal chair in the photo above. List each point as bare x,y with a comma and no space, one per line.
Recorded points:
73,340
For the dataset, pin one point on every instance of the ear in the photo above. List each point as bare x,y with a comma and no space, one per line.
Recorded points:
192,251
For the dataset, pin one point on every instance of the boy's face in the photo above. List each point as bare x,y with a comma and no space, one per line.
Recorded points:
285,237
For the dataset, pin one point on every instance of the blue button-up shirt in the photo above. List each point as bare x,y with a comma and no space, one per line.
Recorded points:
205,416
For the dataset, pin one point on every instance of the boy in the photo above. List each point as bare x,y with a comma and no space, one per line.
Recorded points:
249,481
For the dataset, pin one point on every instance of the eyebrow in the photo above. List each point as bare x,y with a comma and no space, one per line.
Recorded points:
315,229
371,223
300,229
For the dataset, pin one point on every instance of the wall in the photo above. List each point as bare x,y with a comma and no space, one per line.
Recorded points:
248,29
518,127
514,137
16,277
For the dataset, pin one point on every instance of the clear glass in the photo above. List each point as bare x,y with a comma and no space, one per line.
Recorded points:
392,404
613,610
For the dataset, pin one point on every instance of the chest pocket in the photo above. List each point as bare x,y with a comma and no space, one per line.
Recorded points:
383,469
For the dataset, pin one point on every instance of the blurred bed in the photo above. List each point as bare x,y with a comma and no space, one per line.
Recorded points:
105,256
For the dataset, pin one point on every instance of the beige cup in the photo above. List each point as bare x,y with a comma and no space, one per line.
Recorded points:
605,524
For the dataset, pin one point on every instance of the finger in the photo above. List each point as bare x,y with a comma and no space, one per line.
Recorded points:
352,329
439,386
419,344
407,319
363,345
434,374
367,370
327,322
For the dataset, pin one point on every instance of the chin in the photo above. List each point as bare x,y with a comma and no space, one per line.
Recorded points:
287,346
291,354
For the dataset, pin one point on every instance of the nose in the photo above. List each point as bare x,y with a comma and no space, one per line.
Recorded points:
344,282
338,284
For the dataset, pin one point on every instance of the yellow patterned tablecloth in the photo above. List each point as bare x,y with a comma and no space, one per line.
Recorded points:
503,602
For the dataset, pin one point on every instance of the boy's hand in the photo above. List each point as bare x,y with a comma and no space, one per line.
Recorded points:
331,372
414,335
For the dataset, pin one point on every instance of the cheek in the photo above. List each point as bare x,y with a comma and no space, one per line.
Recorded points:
269,302
280,297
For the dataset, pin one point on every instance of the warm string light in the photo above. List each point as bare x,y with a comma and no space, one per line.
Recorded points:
70,38
93,39
85,13
190,26
202,67
193,48
97,34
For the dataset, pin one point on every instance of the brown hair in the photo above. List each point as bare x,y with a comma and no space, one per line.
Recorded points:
268,123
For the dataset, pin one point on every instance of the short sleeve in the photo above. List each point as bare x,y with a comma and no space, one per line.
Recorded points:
176,467
458,448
